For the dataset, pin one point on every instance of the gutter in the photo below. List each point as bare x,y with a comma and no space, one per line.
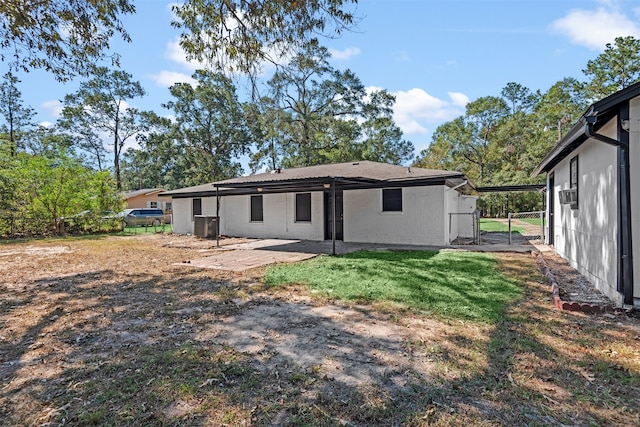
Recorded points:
625,251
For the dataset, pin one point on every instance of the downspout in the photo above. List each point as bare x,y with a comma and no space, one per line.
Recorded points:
459,185
333,210
625,258
217,217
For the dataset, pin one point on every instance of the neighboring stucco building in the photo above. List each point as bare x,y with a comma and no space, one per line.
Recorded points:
374,202
593,197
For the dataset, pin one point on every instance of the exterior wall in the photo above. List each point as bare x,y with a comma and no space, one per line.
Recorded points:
587,236
634,158
421,222
278,217
424,219
182,217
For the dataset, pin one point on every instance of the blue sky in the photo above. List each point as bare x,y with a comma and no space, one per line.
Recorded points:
434,55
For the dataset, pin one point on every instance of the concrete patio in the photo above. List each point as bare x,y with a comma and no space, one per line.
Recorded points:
260,252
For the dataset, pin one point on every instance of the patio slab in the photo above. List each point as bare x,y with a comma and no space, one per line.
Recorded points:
241,260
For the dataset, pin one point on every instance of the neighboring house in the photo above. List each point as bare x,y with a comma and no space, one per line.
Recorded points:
147,198
593,195
374,202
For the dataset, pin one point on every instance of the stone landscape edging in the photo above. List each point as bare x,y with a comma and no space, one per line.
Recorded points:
569,305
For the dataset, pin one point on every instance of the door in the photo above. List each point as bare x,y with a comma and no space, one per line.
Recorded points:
328,228
551,207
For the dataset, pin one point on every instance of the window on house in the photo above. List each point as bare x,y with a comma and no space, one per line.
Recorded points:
256,208
573,182
167,206
196,207
303,207
392,200
152,205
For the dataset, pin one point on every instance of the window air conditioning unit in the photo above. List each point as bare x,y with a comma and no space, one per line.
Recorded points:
569,197
561,196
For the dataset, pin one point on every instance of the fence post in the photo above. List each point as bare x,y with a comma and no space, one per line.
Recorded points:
509,216
477,221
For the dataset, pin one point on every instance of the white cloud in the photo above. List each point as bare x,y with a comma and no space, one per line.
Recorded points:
176,54
415,109
168,78
45,124
54,107
344,54
458,99
595,28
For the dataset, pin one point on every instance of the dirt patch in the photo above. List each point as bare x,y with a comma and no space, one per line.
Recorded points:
110,332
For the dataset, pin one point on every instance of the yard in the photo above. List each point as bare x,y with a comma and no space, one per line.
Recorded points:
119,330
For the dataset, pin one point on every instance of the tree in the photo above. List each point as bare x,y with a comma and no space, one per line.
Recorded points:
380,138
160,160
64,37
614,69
17,117
241,34
101,105
482,119
316,115
519,97
441,152
60,186
211,125
47,141
314,96
269,133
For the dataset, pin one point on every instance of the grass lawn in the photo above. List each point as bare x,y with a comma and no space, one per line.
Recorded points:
497,226
534,221
164,228
461,285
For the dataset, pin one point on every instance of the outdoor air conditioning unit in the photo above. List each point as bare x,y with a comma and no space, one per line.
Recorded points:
205,226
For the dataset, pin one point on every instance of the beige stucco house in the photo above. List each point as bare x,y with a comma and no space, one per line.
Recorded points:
372,202
593,202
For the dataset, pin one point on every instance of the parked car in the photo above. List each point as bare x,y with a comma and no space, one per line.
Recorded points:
134,217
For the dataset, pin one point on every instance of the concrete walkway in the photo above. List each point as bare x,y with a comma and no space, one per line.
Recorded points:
260,252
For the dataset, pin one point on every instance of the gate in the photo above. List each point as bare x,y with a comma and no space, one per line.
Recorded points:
464,228
528,225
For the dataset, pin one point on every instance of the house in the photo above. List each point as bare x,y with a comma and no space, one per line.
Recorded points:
372,203
593,195
147,198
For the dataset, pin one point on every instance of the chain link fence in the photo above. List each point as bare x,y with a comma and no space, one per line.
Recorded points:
22,226
464,228
529,225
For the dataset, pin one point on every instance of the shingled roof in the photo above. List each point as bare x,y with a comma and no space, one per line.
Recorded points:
350,175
